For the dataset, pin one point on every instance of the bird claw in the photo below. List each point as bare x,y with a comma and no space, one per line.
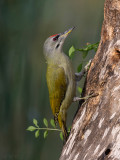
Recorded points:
75,99
78,76
88,65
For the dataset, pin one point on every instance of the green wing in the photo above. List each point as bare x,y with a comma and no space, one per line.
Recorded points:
57,86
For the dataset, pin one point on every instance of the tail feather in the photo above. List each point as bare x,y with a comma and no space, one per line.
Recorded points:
62,124
65,133
56,118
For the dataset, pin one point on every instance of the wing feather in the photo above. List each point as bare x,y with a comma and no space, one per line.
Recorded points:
57,86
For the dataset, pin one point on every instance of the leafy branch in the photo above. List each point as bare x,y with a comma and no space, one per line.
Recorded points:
85,50
37,129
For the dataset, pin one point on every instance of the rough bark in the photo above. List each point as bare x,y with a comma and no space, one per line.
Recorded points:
95,133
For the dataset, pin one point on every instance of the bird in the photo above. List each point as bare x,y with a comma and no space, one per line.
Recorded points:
60,78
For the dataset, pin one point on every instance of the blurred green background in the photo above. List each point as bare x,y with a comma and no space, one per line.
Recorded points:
24,26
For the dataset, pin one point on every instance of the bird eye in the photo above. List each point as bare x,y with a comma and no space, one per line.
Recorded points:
56,38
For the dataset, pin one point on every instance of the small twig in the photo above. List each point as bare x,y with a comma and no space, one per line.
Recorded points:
51,129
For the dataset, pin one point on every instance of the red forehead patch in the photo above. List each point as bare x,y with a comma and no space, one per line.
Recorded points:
54,35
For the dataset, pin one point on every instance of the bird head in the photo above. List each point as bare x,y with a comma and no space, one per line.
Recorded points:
53,44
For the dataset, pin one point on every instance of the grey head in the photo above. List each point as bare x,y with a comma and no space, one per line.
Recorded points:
53,45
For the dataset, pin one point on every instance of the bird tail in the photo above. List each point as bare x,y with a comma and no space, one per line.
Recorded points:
65,133
56,118
62,124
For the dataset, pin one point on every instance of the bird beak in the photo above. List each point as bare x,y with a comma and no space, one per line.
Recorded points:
66,33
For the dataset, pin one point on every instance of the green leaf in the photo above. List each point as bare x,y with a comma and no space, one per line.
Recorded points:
81,49
37,134
79,89
69,129
35,122
71,52
79,67
61,136
45,134
52,122
31,128
87,48
95,49
45,122
84,54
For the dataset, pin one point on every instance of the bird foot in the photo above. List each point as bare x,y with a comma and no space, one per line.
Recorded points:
75,99
88,65
78,76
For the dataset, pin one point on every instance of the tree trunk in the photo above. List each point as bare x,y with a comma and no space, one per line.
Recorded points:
95,133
